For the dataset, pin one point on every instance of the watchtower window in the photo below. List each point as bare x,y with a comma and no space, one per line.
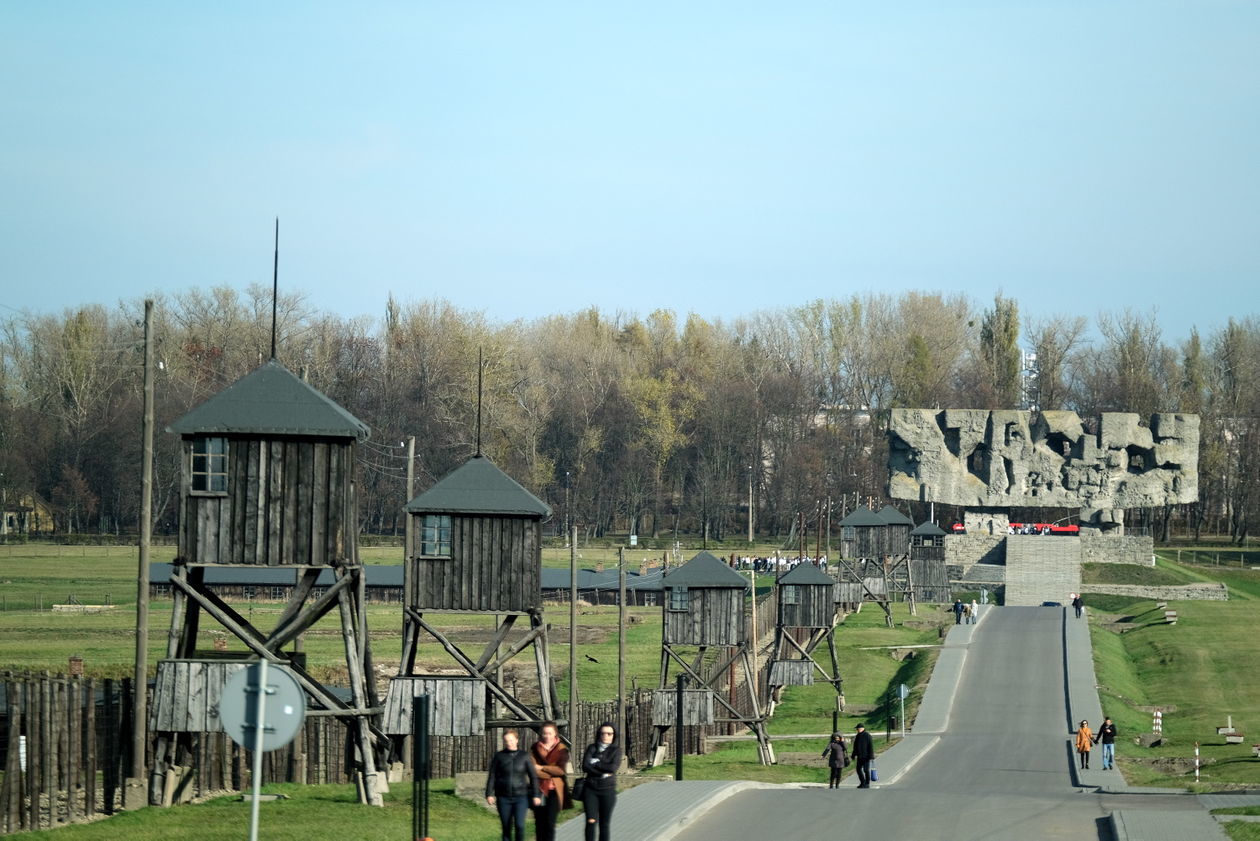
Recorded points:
209,465
791,595
435,536
679,598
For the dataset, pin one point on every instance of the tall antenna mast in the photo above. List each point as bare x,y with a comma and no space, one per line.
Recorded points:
480,368
275,286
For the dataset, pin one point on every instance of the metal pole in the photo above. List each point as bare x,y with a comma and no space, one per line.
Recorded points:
420,770
678,727
573,596
260,710
621,640
139,734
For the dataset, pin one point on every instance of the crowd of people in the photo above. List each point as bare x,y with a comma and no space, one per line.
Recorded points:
775,565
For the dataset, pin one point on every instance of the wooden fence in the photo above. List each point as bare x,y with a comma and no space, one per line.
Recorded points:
65,744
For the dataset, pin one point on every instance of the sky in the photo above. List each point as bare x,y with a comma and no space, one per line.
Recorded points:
530,158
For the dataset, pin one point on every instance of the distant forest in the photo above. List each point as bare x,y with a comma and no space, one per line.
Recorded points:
657,425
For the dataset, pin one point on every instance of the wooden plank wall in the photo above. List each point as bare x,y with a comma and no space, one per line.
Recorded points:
792,673
289,501
816,608
457,705
494,566
697,707
186,695
715,616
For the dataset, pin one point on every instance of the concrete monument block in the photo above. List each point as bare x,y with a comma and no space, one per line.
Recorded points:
978,458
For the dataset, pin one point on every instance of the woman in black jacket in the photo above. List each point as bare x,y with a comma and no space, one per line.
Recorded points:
512,785
837,754
600,763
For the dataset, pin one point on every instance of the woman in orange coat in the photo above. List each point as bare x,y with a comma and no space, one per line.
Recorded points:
1084,741
550,759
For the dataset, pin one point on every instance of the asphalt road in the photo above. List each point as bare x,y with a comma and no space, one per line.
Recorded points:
1001,769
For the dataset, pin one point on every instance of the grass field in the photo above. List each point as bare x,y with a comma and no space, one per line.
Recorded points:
32,639
1203,669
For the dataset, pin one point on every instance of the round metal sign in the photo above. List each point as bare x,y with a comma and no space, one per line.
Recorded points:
283,706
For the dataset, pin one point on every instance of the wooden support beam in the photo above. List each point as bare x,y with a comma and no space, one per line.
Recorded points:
492,647
701,682
522,711
298,624
515,649
302,589
255,642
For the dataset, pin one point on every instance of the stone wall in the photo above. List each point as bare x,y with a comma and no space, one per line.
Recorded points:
1117,549
1210,591
964,550
1042,569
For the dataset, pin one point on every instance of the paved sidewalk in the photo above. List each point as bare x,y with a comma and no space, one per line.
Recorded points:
1083,703
659,811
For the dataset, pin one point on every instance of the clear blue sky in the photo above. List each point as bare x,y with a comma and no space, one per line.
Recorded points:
526,158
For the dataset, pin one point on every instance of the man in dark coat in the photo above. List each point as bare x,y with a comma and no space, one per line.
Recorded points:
1107,735
958,611
863,753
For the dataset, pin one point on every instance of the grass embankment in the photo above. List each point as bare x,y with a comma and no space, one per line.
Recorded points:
1199,671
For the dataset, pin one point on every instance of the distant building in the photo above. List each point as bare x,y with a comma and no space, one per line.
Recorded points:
383,584
27,515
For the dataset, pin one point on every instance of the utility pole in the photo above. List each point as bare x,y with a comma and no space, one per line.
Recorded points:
573,594
621,639
408,535
750,506
139,734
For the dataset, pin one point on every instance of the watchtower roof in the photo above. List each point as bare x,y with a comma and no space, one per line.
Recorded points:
271,400
863,516
806,573
894,517
928,529
478,486
704,570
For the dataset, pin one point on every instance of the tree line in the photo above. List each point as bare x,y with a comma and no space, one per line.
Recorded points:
652,424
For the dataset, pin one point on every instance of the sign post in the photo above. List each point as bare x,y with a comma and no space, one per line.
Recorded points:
902,692
260,726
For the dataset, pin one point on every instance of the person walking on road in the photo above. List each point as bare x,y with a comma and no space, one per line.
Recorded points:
863,753
1107,736
837,754
958,611
1077,604
550,758
600,763
1084,741
975,612
512,785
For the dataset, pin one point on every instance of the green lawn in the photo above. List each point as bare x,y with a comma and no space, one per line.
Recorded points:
322,811
1205,666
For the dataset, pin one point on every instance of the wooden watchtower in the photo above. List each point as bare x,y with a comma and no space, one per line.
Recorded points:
703,610
862,571
863,535
806,609
897,534
477,549
927,561
268,467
